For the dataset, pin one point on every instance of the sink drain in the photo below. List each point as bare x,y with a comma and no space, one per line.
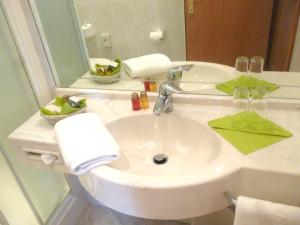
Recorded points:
160,158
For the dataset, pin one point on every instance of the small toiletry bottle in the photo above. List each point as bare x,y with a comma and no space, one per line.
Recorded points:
153,86
144,100
147,84
135,100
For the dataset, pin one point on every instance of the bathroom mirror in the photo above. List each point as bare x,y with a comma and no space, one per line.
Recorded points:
80,33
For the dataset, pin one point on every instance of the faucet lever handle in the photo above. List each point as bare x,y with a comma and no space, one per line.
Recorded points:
187,67
175,73
169,88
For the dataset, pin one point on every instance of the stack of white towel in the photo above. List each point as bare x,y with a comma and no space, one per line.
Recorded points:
147,65
251,211
85,143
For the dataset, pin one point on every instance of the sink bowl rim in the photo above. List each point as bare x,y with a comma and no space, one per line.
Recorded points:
209,173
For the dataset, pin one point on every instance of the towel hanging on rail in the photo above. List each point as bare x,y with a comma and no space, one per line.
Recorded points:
250,211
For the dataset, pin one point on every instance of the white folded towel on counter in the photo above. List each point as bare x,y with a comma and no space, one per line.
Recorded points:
147,65
85,142
251,211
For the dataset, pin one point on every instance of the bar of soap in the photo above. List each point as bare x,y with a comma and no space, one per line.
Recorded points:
53,108
74,102
113,64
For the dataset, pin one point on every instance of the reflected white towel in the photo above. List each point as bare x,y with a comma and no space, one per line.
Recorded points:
85,142
147,65
251,211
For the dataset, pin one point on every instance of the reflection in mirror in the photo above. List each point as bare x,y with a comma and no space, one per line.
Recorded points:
128,29
84,34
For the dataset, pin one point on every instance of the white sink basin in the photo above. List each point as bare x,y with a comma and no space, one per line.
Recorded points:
204,76
135,185
189,145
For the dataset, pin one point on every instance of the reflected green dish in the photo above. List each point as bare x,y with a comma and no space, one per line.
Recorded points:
106,70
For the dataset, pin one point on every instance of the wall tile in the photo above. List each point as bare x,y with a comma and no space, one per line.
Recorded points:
130,22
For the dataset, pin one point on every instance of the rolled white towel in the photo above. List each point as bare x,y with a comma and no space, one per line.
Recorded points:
251,211
146,65
85,142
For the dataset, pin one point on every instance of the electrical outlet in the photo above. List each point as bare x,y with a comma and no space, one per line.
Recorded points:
106,40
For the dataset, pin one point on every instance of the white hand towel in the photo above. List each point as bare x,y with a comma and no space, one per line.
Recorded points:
85,142
251,211
147,65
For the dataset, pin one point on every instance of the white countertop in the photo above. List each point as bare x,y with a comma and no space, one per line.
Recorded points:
227,171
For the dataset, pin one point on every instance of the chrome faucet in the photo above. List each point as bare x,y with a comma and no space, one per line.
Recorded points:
164,101
175,73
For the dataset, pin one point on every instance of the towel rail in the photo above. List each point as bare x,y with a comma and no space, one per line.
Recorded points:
231,199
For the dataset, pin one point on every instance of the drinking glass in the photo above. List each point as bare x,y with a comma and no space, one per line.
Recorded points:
241,97
241,66
240,104
259,101
256,66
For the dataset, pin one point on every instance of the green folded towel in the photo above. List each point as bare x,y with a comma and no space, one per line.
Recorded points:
244,81
248,131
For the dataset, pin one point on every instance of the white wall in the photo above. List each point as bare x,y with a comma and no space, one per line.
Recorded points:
129,23
295,63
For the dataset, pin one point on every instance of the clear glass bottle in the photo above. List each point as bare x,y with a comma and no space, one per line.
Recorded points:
144,100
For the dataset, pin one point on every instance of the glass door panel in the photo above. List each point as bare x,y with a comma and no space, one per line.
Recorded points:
14,207
45,189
